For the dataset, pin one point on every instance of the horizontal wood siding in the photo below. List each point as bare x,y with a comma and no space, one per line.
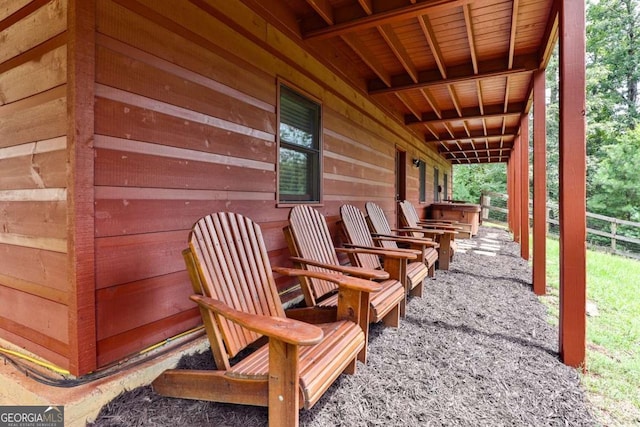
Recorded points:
185,123
34,286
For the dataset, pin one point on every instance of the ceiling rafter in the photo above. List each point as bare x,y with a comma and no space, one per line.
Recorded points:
398,49
367,6
324,9
471,138
409,104
432,102
490,111
470,37
367,57
430,35
514,28
357,23
461,151
459,74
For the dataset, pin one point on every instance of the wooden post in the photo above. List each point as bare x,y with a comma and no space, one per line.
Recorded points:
539,184
516,189
524,187
572,178
509,182
614,230
80,195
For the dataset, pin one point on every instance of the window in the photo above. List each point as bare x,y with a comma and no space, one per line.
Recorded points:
436,185
446,186
422,184
299,169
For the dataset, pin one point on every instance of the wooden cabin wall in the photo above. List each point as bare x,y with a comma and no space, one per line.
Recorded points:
185,123
34,286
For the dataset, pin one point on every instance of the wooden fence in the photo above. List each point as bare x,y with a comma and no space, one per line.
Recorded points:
613,234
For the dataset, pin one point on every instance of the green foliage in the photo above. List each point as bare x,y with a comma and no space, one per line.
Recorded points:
617,178
469,181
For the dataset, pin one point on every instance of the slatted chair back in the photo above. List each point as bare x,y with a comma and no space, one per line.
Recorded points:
409,216
409,213
356,231
379,225
232,266
308,237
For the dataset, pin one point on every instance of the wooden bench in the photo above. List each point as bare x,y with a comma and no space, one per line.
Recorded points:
356,234
312,248
384,237
235,290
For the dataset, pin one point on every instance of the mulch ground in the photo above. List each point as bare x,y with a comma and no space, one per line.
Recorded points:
476,350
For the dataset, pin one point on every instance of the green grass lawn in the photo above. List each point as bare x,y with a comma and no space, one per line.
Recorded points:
612,379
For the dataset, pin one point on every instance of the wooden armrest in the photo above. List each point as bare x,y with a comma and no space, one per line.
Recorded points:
425,241
365,273
444,227
420,230
281,328
349,282
387,253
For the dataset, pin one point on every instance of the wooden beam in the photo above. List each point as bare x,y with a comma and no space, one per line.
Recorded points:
492,134
468,22
80,192
539,184
430,35
432,102
550,36
491,69
324,9
572,165
369,58
409,104
501,151
402,13
509,193
494,111
524,187
514,27
398,49
515,154
367,6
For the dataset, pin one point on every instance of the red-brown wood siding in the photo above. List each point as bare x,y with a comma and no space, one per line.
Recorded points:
185,122
33,178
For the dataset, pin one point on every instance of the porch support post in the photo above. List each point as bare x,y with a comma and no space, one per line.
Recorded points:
509,195
539,184
572,183
515,189
524,187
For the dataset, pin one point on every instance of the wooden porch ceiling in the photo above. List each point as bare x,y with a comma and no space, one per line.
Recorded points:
459,73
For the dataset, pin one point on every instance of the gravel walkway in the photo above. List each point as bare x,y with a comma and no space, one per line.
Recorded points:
476,350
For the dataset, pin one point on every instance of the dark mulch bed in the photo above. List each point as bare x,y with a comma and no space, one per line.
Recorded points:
476,350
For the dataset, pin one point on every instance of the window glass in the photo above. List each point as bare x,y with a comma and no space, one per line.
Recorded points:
299,152
422,182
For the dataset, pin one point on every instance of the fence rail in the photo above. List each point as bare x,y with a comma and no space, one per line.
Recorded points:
616,235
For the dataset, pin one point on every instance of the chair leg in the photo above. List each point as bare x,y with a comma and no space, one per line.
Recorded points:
284,398
393,317
417,290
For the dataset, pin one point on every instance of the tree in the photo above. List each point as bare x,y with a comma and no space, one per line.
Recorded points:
616,190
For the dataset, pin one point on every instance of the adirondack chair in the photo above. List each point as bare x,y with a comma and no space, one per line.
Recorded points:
235,290
356,234
444,236
311,248
385,237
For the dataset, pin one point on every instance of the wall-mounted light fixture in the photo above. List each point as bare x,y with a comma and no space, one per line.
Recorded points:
416,162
